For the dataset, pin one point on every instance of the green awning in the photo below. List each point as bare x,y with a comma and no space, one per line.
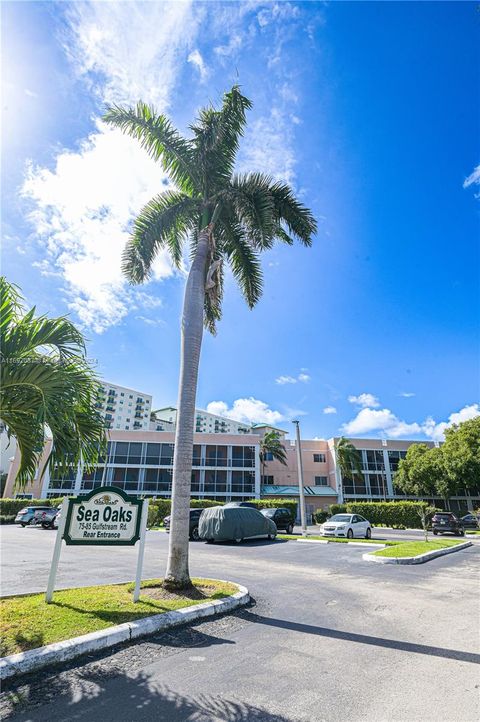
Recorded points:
271,490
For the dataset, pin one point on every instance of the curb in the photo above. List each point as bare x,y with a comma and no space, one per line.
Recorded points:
34,659
350,543
420,559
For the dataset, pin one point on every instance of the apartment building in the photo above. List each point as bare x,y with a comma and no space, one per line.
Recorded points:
228,467
123,408
205,422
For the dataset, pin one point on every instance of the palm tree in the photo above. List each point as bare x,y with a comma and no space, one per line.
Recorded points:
47,389
227,219
349,458
271,445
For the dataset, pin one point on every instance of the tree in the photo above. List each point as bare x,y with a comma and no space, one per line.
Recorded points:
227,219
47,389
422,473
271,445
461,453
425,513
349,458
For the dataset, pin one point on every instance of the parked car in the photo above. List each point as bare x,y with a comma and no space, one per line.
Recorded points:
470,521
446,521
247,504
193,528
347,525
46,517
234,523
25,516
282,517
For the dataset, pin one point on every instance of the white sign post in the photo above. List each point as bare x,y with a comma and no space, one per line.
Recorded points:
106,516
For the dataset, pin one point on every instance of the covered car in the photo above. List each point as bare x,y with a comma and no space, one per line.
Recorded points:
234,523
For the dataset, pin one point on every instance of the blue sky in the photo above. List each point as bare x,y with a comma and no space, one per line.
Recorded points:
370,110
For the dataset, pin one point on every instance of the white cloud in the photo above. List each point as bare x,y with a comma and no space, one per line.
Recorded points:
473,178
282,380
198,62
268,146
365,400
131,50
407,394
437,431
249,411
302,378
83,208
329,410
386,423
234,44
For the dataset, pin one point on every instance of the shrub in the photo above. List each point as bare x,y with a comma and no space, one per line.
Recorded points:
321,516
397,514
289,504
337,509
7,518
158,509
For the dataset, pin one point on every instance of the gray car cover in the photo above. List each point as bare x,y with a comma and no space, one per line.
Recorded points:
235,522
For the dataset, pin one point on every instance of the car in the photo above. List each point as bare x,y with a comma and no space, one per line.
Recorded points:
347,525
247,504
193,527
46,517
25,516
446,522
470,521
282,517
234,523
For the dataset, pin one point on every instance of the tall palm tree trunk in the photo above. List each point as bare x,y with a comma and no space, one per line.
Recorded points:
177,574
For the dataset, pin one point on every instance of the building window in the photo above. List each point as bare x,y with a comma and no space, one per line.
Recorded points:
321,481
320,458
268,456
243,456
267,480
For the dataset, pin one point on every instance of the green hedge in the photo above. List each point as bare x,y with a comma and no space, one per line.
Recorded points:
321,516
7,518
11,507
158,509
337,509
397,514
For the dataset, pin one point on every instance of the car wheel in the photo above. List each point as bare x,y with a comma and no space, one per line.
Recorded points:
272,537
350,534
23,524
289,529
194,536
210,541
435,533
368,535
238,541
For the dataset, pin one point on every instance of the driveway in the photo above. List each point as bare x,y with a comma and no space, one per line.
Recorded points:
328,637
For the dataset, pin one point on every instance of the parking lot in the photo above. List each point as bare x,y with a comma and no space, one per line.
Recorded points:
328,637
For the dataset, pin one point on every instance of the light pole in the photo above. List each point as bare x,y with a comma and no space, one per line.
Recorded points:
300,481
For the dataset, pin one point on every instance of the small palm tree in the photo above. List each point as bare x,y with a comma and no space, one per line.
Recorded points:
271,445
46,389
227,219
349,458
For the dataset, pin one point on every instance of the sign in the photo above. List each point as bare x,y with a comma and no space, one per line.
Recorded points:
106,516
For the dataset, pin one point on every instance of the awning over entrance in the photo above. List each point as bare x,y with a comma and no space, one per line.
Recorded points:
271,490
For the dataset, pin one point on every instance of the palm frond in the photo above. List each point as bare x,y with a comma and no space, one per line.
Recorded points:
161,141
164,222
297,217
243,260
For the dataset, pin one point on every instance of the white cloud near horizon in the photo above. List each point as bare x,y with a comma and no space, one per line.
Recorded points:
365,400
248,410
302,378
386,423
407,394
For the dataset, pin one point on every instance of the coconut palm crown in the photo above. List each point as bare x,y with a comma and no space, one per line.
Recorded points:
272,444
349,458
227,219
47,389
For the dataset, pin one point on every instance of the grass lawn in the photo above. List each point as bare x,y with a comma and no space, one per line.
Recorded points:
473,532
336,539
414,548
28,622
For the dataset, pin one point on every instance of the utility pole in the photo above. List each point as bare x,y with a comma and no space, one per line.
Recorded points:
301,493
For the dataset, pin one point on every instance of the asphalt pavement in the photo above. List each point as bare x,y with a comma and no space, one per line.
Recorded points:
328,637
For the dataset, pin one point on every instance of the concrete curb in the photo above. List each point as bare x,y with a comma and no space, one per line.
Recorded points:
351,543
34,659
420,559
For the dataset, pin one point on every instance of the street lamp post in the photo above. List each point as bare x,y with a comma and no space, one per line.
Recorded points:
301,493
